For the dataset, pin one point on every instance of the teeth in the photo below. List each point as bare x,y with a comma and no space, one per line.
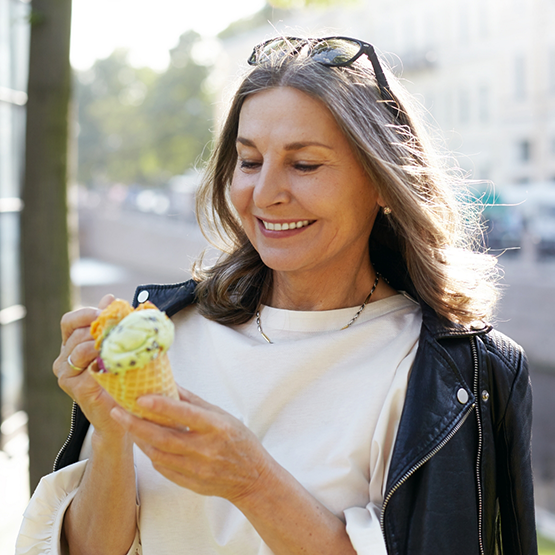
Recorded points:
286,226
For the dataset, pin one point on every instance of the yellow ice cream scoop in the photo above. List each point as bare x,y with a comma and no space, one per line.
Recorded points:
135,341
133,359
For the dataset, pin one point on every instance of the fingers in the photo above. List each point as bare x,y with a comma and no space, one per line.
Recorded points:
77,342
81,356
149,434
80,318
225,461
186,395
182,412
106,301
80,347
77,369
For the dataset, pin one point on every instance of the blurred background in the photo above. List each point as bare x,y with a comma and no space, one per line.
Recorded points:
149,82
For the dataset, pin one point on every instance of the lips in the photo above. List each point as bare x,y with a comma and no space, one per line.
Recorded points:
285,226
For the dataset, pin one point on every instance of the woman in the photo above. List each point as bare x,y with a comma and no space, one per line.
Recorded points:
324,412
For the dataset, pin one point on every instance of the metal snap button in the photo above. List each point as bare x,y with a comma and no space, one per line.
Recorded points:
143,296
477,325
485,395
462,396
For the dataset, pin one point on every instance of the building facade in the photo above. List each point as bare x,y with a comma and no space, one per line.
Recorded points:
14,48
483,69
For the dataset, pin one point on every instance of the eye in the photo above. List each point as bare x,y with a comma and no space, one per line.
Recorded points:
306,168
249,165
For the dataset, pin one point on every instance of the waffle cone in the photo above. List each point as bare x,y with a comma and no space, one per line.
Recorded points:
125,388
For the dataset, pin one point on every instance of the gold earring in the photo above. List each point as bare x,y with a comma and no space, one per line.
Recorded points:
386,210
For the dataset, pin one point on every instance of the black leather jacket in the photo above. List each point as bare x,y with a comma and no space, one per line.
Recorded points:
460,479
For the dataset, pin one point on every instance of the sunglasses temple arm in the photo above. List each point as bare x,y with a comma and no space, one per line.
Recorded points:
381,79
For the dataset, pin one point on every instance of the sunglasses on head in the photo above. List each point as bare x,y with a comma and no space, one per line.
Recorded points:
330,52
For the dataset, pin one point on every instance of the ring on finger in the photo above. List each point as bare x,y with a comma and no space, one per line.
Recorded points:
76,368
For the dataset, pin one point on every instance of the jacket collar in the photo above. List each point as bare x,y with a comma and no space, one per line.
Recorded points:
169,298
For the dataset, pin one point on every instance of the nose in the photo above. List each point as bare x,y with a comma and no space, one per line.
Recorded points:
271,186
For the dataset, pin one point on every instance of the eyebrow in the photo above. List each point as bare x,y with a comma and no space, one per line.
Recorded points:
291,146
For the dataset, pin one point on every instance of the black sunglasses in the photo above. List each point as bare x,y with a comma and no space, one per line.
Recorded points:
330,52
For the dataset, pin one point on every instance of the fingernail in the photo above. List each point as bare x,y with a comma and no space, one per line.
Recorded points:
117,414
146,402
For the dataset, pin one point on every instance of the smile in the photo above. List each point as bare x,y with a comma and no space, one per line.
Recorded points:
285,226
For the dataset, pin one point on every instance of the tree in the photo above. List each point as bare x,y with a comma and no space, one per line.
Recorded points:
291,4
113,133
138,126
44,232
179,109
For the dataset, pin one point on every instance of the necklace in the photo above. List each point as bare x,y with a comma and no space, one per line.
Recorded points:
353,319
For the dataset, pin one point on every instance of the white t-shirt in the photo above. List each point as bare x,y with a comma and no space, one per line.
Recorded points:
324,402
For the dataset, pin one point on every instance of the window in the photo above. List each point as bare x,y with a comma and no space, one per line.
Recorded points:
524,150
483,104
483,19
520,77
464,24
551,71
464,106
14,35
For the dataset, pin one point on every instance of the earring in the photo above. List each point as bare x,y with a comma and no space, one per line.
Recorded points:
386,210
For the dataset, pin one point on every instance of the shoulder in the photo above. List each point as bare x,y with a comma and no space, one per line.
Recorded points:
502,350
505,376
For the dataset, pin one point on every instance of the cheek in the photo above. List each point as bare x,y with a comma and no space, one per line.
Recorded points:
236,193
240,195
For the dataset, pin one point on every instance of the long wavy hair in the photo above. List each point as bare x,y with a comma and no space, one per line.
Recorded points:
433,229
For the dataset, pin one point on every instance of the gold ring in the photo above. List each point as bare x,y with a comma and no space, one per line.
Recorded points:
76,368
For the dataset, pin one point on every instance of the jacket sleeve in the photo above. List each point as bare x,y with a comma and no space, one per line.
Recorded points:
513,430
41,529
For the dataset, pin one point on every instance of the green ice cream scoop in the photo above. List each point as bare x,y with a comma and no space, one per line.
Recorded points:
139,338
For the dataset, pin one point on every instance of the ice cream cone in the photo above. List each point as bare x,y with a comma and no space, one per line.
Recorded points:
125,388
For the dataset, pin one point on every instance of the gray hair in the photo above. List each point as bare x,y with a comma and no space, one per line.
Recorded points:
431,226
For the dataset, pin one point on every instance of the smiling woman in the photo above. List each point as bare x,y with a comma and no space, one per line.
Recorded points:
343,393
303,171
386,160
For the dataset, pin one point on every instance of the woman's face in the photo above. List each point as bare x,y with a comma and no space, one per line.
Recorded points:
304,200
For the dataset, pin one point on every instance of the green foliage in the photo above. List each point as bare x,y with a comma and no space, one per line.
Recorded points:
140,126
274,11
545,546
267,13
292,4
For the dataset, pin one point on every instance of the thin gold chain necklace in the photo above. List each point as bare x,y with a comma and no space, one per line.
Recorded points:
353,319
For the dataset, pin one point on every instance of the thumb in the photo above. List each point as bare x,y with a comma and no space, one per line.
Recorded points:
189,397
106,300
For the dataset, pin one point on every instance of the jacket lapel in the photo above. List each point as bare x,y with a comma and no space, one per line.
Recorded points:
168,298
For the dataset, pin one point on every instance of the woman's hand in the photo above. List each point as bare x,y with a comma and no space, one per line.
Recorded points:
207,450
78,344
212,453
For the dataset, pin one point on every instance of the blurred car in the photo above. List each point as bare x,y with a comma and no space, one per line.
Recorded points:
542,229
504,229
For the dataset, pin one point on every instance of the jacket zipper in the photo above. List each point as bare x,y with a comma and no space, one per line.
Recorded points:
480,442
69,436
415,467
442,444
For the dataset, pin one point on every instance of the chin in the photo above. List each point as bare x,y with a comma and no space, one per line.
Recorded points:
283,262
